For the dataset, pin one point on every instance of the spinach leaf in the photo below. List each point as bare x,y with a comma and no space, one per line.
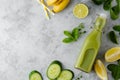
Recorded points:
116,28
112,37
111,67
118,62
107,4
115,9
115,70
113,14
118,4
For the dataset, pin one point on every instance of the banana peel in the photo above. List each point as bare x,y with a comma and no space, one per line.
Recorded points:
58,2
61,6
51,2
58,5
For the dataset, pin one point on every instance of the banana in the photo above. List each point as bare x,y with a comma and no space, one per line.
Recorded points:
60,6
58,2
51,2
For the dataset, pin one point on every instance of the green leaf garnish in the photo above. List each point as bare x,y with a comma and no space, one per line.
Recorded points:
116,28
68,40
74,35
67,33
112,37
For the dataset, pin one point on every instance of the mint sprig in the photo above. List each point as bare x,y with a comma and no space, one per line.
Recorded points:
74,34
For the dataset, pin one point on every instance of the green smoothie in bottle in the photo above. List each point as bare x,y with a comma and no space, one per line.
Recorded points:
91,46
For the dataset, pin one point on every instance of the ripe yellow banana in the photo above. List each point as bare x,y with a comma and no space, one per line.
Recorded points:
51,2
58,2
60,6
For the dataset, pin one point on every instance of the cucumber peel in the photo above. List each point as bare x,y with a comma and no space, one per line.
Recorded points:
54,70
66,74
35,75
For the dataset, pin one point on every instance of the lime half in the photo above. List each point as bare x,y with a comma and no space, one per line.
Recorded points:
80,10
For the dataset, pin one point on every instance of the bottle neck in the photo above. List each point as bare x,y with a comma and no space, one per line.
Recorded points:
99,24
97,29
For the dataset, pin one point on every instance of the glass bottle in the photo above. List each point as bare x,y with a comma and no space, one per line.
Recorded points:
91,46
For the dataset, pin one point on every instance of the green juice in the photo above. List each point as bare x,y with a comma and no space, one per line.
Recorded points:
91,46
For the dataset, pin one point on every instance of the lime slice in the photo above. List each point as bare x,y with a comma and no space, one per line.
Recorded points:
80,10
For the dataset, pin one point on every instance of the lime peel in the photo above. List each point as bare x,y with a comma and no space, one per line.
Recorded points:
80,10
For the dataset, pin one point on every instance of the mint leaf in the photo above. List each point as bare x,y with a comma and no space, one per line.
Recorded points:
116,28
68,40
67,33
75,33
112,37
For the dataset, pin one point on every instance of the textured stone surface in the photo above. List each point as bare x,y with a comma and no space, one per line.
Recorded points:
28,41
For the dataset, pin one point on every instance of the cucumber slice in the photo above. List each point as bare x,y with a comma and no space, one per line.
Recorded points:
66,74
35,75
54,70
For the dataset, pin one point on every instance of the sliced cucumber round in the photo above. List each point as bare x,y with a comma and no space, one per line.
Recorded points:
35,75
54,70
66,74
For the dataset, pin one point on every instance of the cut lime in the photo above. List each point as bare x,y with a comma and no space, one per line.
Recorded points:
80,10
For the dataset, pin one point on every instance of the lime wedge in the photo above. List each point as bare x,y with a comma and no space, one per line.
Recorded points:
100,70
